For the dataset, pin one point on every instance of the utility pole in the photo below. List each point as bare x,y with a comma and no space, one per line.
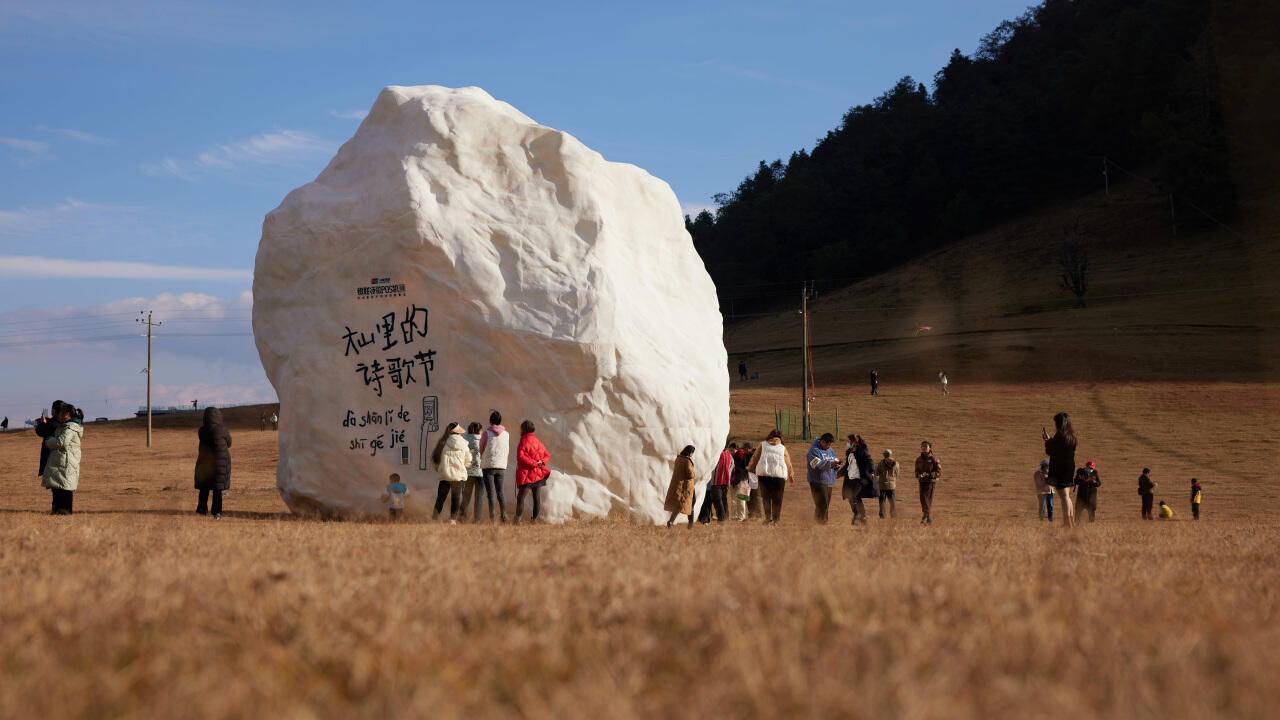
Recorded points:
805,425
148,322
1106,179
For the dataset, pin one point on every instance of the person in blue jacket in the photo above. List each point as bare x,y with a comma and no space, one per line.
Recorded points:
822,464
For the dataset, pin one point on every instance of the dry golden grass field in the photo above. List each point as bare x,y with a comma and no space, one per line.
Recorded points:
136,607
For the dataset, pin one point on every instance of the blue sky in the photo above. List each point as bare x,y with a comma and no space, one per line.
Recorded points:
141,143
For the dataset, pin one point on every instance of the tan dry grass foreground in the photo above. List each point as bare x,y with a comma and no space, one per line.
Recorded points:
136,607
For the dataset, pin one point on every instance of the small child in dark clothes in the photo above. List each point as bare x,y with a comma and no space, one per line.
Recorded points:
1195,499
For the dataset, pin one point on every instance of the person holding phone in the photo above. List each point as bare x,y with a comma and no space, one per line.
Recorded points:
1061,449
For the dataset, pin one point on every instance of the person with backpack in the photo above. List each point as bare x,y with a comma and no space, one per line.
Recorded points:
887,475
494,449
1061,449
213,463
772,465
531,470
62,467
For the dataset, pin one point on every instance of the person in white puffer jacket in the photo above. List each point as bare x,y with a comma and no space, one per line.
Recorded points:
452,456
495,446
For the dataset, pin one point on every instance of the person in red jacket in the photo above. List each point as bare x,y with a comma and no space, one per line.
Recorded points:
531,469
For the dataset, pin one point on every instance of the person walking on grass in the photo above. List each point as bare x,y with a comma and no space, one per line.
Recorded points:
680,489
875,383
494,450
822,465
1061,449
1087,483
715,500
928,470
450,459
1044,491
1195,499
62,468
859,482
393,495
531,470
887,475
213,463
474,474
772,465
753,501
1147,490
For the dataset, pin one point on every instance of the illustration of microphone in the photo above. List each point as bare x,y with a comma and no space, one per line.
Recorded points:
430,424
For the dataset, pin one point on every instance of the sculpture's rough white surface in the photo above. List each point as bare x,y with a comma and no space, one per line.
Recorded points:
457,257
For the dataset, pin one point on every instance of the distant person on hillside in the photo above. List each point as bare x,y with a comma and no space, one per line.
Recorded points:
887,474
393,495
531,470
742,370
4,424
772,465
942,380
262,420
494,449
213,462
1147,489
1087,484
822,464
928,470
275,421
1044,491
474,473
1166,512
44,429
1061,449
62,470
1195,499
716,498
875,383
680,489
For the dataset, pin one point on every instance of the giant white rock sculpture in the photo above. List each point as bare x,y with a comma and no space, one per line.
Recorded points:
457,257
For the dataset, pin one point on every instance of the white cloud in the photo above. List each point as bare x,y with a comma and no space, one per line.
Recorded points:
282,147
168,166
34,266
279,148
77,135
350,114
203,350
31,146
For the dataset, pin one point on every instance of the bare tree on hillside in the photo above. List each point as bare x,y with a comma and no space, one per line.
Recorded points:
1073,262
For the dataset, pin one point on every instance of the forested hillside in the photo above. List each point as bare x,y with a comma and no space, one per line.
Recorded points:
1026,120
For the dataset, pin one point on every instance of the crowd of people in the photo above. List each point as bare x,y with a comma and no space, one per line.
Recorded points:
748,482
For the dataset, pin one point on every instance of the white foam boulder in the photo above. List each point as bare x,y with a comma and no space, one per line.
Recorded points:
456,257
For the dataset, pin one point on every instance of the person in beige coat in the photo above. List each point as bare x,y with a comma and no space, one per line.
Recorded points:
680,491
452,458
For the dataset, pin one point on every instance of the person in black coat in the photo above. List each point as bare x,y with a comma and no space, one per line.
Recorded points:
859,482
213,464
44,429
1061,449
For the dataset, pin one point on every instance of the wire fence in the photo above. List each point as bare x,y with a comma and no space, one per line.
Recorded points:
790,422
